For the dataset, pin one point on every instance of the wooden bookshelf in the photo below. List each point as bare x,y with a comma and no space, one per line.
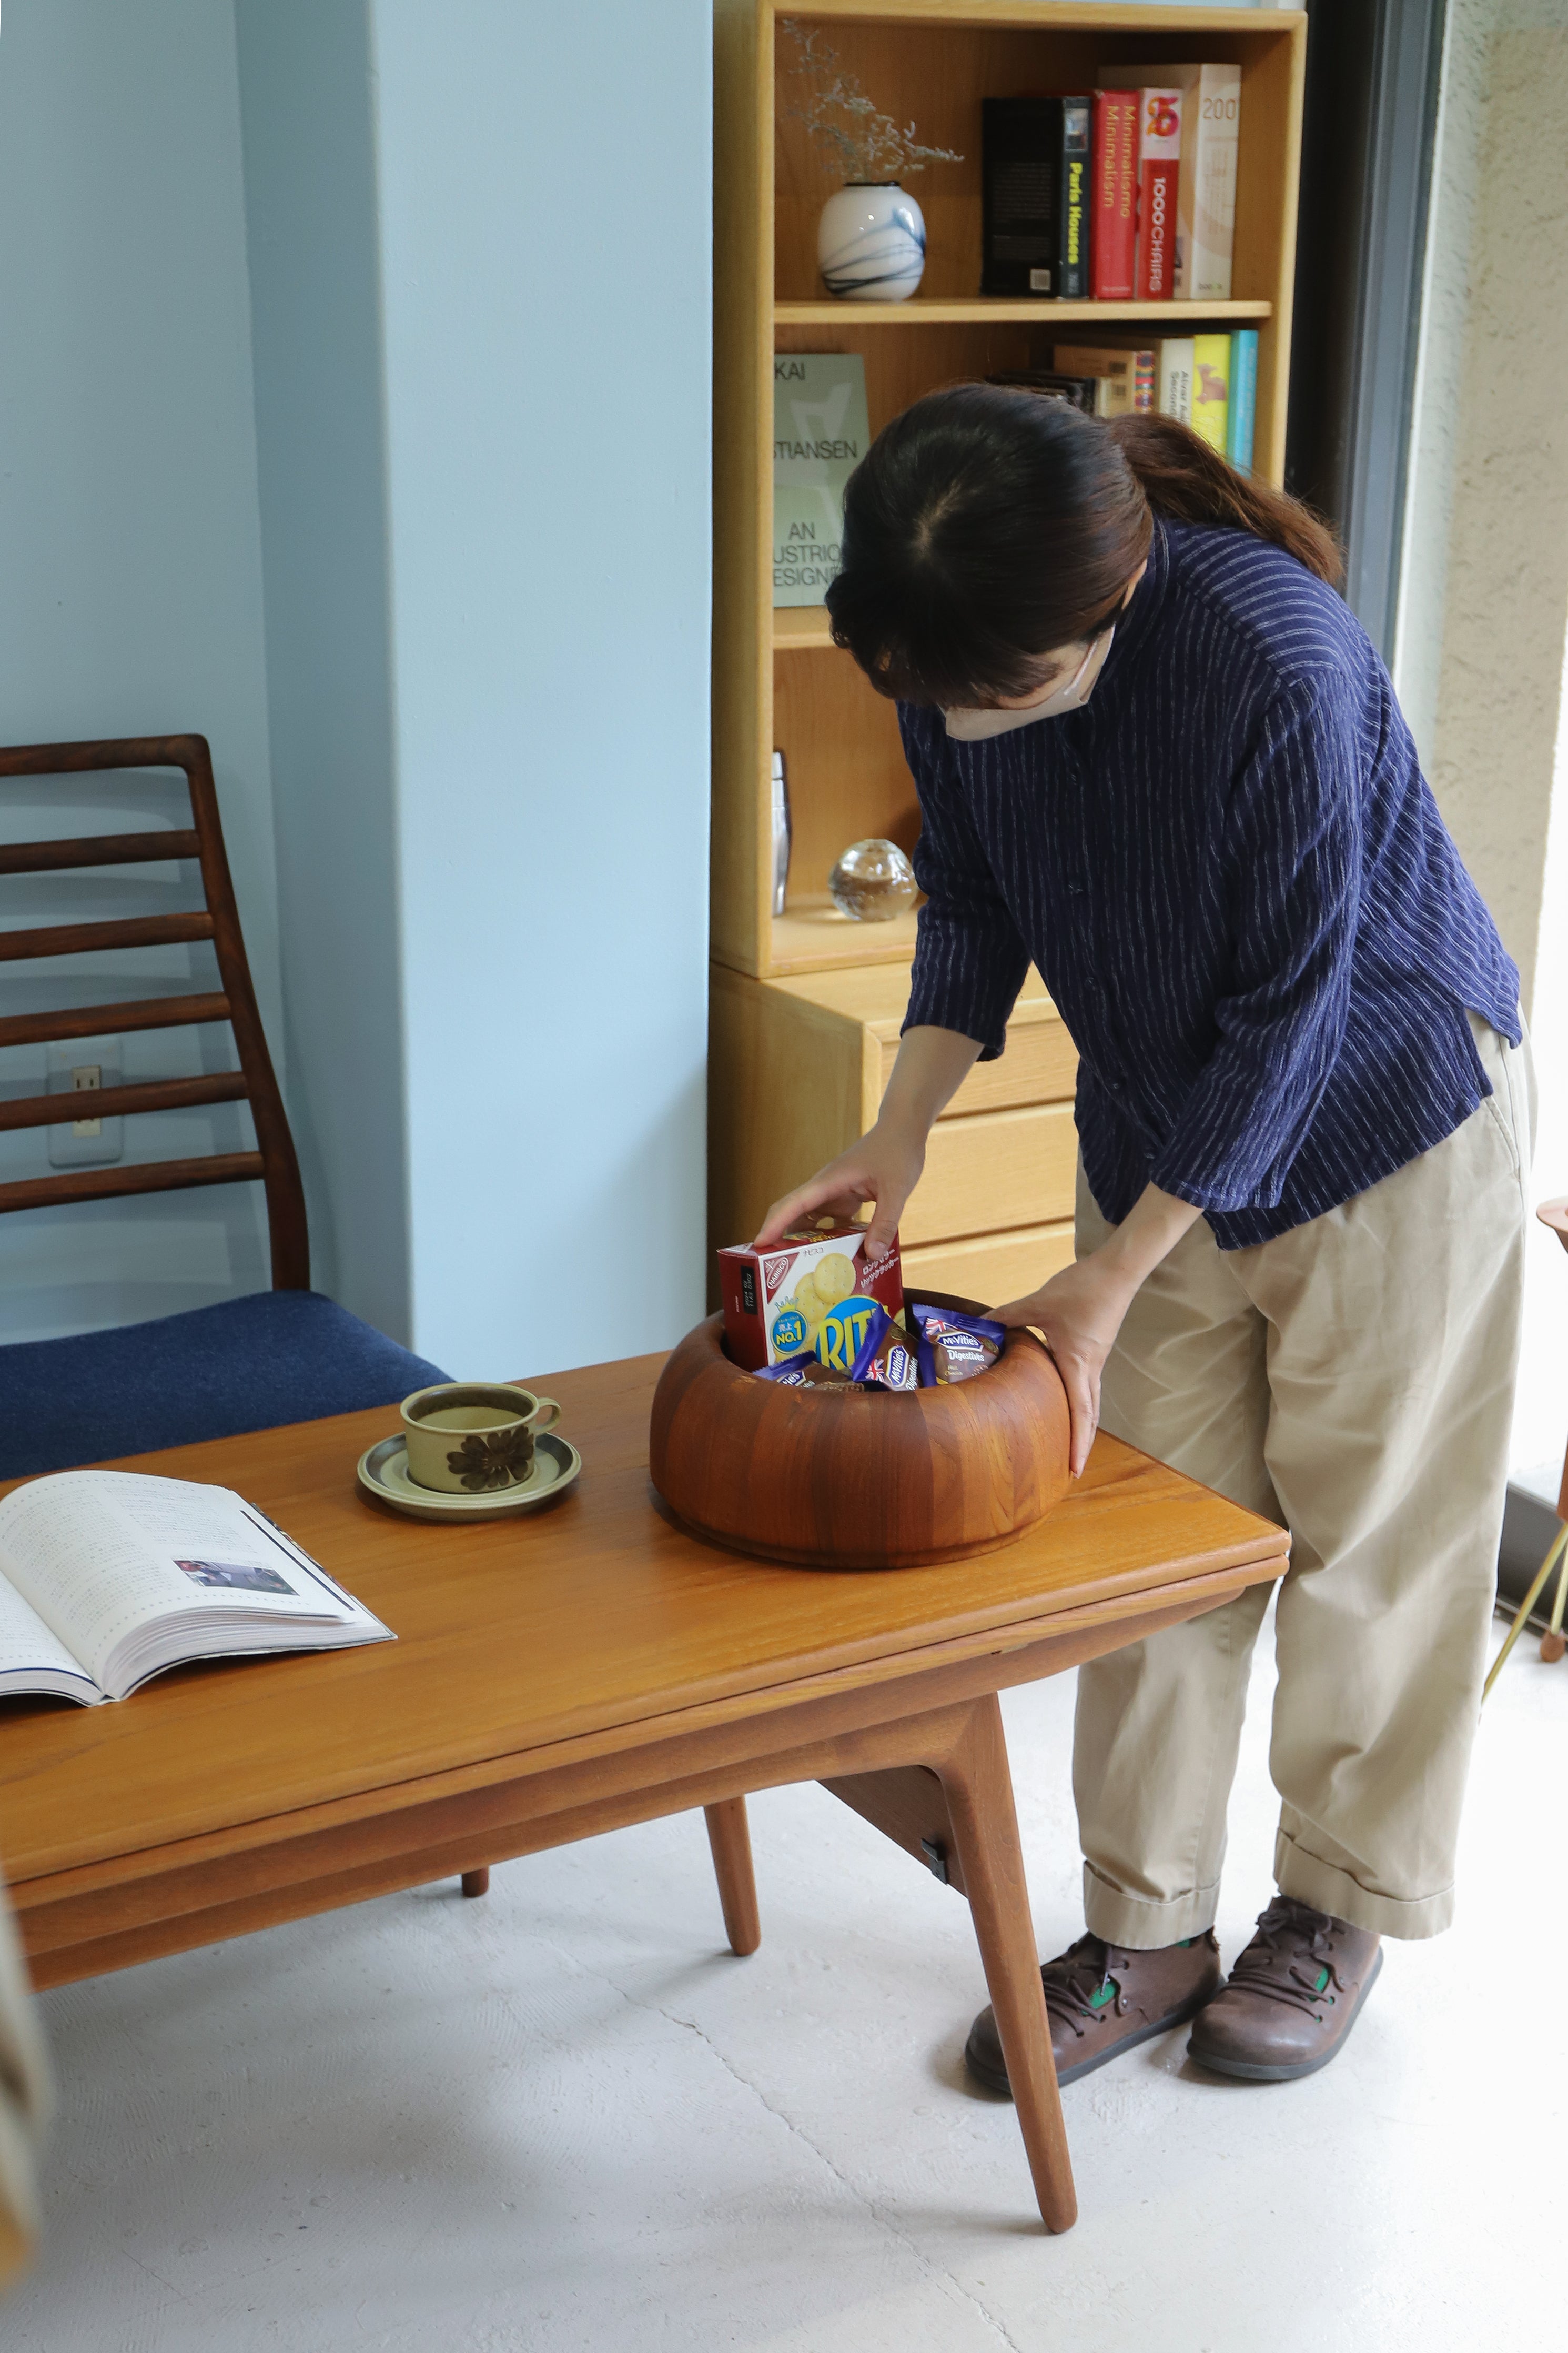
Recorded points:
983,309
779,681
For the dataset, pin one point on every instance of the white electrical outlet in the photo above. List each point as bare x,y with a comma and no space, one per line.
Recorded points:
83,1067
85,1079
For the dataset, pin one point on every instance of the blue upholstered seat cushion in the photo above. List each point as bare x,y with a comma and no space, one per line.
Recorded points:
250,1364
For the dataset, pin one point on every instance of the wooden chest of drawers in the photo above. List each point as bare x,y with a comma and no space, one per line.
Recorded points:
797,1069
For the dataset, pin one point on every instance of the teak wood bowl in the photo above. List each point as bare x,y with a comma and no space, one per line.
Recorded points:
825,1479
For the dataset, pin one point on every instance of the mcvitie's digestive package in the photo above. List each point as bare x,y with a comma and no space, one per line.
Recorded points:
812,1290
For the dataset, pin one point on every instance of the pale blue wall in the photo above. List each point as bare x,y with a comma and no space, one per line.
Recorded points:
129,568
477,291
314,246
545,181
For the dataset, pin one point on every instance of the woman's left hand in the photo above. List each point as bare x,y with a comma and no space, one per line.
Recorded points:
1078,1313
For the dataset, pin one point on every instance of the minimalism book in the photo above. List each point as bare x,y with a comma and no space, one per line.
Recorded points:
1206,204
109,1577
820,435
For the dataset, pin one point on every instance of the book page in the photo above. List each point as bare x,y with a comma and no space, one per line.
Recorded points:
99,1553
32,1657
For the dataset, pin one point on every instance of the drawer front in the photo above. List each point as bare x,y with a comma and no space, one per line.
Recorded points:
1040,1066
993,1268
993,1171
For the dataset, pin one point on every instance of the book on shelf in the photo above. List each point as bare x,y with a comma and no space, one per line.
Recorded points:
1173,385
782,832
1241,414
109,1577
1123,374
1113,196
1034,207
1145,379
820,435
1159,190
1077,391
1206,191
1211,388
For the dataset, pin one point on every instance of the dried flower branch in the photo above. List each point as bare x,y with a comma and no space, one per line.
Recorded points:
867,145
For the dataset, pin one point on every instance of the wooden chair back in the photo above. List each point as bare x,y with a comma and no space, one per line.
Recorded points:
217,920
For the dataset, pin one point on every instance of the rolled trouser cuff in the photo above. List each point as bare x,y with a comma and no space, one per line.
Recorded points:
1140,1922
1327,1888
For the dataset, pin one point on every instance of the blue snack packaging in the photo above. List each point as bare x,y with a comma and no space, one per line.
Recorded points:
805,1371
884,1359
954,1347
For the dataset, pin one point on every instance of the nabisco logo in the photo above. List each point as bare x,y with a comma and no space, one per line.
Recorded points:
774,1270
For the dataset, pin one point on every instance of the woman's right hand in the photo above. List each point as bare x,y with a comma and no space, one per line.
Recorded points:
884,1167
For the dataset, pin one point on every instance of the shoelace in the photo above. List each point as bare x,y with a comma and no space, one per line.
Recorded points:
1076,1985
1256,1969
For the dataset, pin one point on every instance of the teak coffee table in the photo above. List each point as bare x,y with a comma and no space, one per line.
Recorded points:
582,1668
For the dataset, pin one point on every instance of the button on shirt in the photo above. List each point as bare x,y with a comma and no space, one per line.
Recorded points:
1234,882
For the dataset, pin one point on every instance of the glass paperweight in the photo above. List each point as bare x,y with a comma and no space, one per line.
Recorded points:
873,881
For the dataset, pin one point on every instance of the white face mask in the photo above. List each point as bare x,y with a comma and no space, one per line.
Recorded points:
975,726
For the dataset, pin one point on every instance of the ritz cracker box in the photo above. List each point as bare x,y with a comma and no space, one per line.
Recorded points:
811,1289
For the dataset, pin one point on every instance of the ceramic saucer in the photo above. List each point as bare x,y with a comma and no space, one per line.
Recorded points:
383,1474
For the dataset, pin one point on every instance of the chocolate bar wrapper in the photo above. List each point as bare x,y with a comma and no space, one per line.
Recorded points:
886,1360
805,1371
954,1347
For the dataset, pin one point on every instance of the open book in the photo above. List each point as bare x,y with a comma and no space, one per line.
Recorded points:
107,1577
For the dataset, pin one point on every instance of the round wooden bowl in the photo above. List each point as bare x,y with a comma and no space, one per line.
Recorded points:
825,1479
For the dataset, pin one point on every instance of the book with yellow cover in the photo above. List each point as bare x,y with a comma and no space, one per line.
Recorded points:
1210,388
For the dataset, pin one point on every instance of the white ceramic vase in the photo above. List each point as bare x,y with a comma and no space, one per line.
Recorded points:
871,243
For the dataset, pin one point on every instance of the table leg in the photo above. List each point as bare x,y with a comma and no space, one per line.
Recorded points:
979,1790
730,1837
477,1883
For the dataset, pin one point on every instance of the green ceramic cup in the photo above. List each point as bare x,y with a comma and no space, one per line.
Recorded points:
474,1438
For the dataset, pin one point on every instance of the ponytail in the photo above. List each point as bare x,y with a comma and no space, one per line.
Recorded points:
988,526
1185,476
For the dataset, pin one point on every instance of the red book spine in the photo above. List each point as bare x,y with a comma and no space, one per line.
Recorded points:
1113,244
1159,167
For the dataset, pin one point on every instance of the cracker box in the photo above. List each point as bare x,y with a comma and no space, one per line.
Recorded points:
810,1290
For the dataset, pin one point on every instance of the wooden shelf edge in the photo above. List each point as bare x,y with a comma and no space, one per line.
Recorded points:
793,964
799,948
799,628
977,310
1058,16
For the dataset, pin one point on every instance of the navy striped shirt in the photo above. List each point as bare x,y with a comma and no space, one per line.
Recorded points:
1234,882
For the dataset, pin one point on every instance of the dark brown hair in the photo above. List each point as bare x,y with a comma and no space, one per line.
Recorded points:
988,525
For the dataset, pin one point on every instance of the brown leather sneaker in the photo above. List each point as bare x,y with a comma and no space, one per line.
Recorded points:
1291,1998
1103,2000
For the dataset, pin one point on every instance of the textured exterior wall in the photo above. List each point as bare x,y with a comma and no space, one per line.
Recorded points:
1484,617
1506,608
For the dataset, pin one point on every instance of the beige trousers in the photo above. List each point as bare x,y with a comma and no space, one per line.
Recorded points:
1353,1380
24,2101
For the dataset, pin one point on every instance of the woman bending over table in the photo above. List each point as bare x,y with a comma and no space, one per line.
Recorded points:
1157,755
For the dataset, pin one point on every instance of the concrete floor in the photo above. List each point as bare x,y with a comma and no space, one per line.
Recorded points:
564,2118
